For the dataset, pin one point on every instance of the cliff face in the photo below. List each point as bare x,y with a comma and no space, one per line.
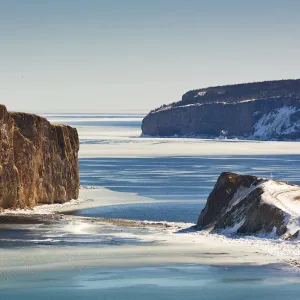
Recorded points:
38,161
224,111
250,205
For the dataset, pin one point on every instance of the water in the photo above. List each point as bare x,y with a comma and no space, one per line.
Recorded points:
180,172
67,234
169,282
171,211
182,178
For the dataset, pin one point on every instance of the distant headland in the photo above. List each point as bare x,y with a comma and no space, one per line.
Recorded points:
268,110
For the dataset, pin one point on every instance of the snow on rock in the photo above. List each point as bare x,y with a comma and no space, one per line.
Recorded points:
276,123
259,111
246,204
201,93
286,198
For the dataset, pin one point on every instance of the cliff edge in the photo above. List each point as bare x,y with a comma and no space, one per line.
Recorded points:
38,161
246,204
261,110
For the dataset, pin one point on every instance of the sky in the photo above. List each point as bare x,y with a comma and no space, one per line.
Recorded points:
135,55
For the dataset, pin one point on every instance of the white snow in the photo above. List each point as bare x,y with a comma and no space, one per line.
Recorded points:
240,194
202,93
167,107
286,198
88,197
233,229
44,209
278,194
282,196
276,123
248,100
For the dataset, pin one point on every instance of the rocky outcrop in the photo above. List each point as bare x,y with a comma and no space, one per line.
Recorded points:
268,110
38,161
250,205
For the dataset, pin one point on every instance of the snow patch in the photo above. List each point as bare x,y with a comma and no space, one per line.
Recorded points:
248,100
240,194
233,229
283,196
44,209
286,198
276,123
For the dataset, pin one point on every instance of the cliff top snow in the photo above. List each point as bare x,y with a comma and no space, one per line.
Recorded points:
237,93
250,205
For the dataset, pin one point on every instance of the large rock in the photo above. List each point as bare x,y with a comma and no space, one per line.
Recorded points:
250,205
38,161
267,110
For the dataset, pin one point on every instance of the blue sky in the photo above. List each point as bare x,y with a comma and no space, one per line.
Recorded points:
106,56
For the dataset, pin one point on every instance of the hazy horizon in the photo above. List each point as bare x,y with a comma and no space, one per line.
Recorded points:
133,56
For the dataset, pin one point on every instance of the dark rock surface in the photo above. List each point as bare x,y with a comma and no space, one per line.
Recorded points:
38,161
269,110
220,197
237,205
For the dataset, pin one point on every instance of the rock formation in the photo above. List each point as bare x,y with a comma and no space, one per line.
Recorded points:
264,110
250,205
38,161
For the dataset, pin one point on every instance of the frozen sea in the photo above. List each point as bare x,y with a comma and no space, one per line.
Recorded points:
160,283
145,179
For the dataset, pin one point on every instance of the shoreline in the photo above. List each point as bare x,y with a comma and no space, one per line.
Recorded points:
167,242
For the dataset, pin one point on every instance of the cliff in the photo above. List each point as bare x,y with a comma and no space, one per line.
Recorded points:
265,110
249,205
38,161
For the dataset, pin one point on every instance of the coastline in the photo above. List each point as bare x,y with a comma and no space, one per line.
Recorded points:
164,243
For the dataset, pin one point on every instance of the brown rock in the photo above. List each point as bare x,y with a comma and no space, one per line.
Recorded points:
38,161
249,215
223,192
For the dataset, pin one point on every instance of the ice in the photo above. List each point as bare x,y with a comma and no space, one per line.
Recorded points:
99,119
162,147
171,242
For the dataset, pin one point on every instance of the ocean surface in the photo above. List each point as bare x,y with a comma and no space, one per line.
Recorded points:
176,176
189,282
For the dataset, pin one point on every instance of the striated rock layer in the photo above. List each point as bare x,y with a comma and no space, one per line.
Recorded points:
250,205
265,110
38,161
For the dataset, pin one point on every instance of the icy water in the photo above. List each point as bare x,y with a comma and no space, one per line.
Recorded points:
161,283
182,178
171,211
179,172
